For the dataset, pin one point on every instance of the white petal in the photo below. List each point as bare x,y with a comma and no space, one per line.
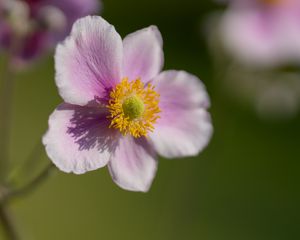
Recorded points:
78,139
133,165
184,127
89,61
143,54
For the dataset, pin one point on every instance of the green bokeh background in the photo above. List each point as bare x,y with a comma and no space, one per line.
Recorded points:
244,186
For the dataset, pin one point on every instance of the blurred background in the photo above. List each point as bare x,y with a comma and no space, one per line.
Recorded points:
243,186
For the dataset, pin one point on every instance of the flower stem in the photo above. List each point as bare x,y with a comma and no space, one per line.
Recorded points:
7,223
6,112
33,184
8,195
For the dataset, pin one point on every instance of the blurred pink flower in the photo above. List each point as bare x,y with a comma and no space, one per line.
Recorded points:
119,109
30,27
263,32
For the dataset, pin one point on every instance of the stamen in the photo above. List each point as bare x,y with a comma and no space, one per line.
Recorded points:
133,108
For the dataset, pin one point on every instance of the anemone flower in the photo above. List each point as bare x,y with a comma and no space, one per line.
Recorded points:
119,109
28,28
263,32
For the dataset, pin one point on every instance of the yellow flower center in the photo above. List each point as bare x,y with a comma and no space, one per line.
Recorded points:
133,107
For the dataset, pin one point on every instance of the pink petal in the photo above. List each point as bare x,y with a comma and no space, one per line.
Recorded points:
184,128
250,37
143,54
73,10
78,139
133,165
288,34
89,61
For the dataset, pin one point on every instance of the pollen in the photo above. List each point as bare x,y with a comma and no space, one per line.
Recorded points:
133,108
